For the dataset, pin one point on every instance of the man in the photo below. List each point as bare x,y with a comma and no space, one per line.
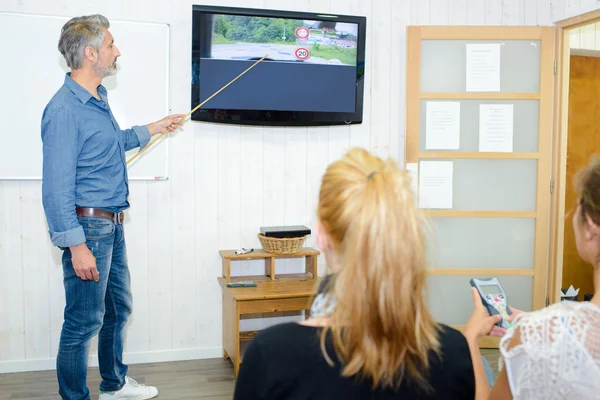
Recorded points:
84,192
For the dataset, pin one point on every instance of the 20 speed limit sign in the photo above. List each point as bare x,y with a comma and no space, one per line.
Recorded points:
302,53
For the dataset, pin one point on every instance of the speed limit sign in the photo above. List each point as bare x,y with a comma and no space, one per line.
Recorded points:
302,33
302,53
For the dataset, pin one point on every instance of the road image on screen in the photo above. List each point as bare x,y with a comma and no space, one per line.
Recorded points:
311,65
321,42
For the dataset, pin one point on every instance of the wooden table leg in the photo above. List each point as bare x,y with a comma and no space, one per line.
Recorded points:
230,327
238,356
311,266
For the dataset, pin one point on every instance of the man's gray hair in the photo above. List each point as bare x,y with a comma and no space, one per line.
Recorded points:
77,34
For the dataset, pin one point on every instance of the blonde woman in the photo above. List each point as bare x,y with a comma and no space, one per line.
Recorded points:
554,353
378,341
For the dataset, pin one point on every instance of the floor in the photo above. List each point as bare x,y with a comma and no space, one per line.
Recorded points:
210,379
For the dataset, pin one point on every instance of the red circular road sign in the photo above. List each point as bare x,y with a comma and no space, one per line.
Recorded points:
302,53
302,32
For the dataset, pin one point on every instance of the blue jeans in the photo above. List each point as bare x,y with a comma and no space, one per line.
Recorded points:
95,308
489,372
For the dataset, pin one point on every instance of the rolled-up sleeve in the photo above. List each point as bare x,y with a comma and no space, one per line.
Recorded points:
137,136
60,154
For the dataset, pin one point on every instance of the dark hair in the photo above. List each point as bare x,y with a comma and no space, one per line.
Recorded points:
587,186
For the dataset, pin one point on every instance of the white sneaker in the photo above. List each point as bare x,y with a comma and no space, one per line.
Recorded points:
131,391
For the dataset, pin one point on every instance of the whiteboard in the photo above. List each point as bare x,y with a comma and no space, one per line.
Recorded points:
33,70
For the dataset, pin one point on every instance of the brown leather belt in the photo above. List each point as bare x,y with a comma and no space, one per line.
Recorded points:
117,218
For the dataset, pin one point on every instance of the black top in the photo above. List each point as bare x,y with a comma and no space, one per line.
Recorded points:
285,362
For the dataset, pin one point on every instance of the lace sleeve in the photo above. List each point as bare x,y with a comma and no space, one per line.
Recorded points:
559,353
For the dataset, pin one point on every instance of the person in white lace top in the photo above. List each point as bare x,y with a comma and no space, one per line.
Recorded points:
553,353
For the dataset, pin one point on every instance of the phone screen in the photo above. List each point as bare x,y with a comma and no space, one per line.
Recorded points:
490,289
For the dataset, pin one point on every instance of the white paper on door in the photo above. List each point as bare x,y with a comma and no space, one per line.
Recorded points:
483,67
435,184
496,127
442,125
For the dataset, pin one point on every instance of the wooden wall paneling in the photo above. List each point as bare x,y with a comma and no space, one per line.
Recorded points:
544,13
12,281
572,7
493,12
399,20
458,12
207,296
36,262
513,12
56,295
439,12
339,135
381,79
136,236
419,12
183,228
160,267
360,133
476,12
531,13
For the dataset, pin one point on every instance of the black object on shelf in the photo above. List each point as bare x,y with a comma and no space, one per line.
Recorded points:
588,296
285,231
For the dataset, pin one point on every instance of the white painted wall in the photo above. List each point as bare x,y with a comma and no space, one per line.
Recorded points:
586,37
226,181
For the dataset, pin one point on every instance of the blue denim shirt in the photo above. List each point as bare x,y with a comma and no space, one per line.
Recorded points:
84,159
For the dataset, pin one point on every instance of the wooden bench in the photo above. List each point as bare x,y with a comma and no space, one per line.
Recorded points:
273,293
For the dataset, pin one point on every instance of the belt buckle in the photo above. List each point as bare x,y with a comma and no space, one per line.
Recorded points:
119,217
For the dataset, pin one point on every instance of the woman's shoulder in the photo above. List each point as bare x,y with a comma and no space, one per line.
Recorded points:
281,335
561,314
450,337
454,348
567,317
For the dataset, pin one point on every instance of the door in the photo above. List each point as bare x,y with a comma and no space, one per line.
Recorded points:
478,136
583,141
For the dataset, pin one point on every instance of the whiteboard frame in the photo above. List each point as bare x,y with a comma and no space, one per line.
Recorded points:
165,143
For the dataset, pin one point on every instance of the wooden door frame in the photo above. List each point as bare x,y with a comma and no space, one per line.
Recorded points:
543,155
559,148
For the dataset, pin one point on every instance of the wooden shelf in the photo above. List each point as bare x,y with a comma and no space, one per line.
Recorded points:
311,259
279,277
260,253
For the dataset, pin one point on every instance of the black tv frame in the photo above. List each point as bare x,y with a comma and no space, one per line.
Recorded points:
274,117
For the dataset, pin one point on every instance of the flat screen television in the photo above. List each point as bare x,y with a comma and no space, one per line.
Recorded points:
313,75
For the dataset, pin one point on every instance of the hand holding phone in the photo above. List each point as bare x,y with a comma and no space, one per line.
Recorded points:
494,299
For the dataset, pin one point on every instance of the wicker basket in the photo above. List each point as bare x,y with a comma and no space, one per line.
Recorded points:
281,245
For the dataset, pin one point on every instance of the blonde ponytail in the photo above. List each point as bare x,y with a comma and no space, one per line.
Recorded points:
380,326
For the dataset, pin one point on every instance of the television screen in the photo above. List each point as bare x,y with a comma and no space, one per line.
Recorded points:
312,74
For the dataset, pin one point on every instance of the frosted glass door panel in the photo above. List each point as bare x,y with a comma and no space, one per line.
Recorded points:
525,124
481,242
451,302
444,65
494,184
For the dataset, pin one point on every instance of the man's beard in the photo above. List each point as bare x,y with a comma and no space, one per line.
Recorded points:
105,70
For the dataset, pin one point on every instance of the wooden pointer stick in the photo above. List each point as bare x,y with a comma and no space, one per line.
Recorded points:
194,109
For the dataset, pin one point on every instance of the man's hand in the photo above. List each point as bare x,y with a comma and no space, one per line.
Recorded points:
169,123
84,263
